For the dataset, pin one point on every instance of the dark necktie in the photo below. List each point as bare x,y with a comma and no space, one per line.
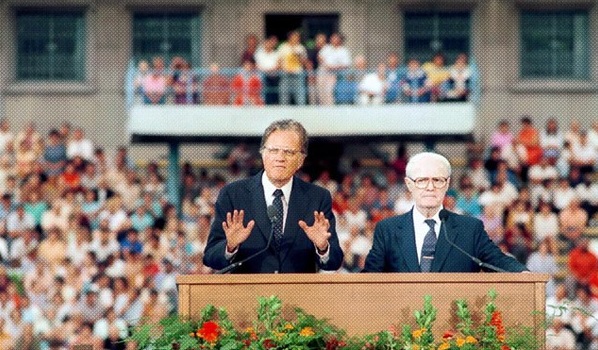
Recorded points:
428,248
280,215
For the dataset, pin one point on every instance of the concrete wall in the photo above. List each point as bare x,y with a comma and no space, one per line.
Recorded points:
372,28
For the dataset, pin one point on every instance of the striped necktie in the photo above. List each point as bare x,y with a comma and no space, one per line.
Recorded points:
280,215
429,247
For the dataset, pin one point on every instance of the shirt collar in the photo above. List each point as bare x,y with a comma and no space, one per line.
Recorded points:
419,218
269,188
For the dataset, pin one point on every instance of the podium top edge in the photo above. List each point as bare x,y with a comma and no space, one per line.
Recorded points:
352,278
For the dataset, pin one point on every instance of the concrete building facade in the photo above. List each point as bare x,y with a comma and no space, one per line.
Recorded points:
371,27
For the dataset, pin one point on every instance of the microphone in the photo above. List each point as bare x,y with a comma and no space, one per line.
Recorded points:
273,219
443,216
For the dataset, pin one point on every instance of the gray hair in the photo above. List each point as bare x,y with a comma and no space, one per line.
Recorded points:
420,158
287,125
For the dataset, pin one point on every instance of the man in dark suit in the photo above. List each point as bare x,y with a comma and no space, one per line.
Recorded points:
304,241
413,242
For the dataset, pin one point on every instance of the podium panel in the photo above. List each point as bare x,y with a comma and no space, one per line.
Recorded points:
368,303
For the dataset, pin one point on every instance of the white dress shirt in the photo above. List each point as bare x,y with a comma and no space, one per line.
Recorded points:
421,229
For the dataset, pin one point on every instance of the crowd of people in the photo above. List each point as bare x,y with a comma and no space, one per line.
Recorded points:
90,244
285,73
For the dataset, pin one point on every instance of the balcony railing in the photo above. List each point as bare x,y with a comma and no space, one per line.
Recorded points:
237,86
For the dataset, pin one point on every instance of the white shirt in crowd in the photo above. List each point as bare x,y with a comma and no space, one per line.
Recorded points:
335,57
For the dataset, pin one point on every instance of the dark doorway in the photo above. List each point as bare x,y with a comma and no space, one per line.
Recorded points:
309,25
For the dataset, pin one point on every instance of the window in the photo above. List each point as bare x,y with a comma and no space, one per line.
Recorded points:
554,45
50,45
166,35
429,32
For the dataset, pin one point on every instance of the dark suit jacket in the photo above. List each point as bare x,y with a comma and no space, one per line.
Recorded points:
297,253
394,248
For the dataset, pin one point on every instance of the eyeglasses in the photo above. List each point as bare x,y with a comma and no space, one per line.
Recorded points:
287,152
422,182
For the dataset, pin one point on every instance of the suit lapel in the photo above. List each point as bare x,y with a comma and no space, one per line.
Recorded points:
406,239
258,206
442,246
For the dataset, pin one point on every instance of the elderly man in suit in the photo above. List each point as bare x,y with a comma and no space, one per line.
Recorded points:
413,242
276,211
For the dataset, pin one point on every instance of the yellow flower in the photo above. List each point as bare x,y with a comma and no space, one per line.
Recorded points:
444,346
415,347
288,326
418,333
460,342
470,340
249,330
278,335
307,332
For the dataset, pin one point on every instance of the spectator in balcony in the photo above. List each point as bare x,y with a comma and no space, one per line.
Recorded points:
333,59
584,155
415,85
479,176
292,56
80,146
312,66
267,61
437,75
459,81
216,87
393,78
155,84
372,88
467,201
246,86
183,82
143,71
251,45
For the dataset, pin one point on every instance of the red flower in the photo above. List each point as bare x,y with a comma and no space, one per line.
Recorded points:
268,344
209,332
496,321
448,335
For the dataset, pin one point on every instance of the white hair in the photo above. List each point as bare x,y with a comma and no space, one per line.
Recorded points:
420,159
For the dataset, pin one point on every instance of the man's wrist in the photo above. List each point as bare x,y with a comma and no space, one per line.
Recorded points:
322,251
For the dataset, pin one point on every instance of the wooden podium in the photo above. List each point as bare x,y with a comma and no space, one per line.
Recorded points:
368,303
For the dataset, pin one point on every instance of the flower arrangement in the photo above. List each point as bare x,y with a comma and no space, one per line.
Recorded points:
214,330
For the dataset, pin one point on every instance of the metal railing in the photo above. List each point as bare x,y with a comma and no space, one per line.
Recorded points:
234,86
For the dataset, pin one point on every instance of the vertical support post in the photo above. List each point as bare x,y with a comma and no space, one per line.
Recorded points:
174,175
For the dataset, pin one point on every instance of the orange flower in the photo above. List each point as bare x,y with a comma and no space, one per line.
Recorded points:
470,340
288,326
444,346
460,341
307,332
418,333
496,321
209,332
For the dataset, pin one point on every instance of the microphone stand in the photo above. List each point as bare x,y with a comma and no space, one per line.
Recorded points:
473,258
229,268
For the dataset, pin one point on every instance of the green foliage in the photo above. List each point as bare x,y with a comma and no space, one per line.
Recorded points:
214,330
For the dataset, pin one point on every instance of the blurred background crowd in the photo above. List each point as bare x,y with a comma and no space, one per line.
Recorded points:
90,243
